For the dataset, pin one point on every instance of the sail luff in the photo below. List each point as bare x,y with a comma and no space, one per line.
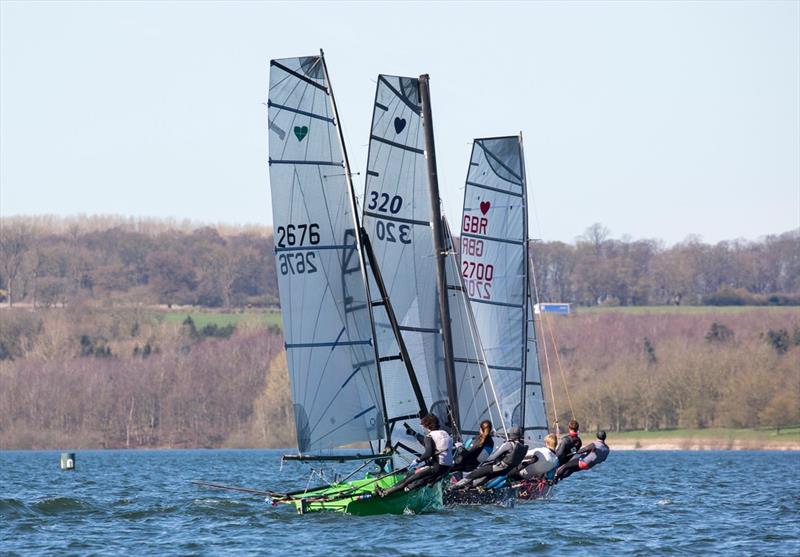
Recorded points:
359,247
440,251
526,309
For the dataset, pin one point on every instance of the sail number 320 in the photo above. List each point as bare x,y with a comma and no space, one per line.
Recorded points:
387,230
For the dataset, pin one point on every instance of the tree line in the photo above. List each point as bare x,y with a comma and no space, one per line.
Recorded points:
47,261
598,269
83,376
53,262
650,371
126,378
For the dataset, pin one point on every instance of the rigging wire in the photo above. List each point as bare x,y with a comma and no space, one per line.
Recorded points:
544,344
561,369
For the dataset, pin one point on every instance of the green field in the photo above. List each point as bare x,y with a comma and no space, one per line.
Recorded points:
220,319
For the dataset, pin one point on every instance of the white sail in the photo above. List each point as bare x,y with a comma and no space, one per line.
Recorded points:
397,215
397,218
327,326
477,398
494,240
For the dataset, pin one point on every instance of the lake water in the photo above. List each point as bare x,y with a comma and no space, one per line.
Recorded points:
636,503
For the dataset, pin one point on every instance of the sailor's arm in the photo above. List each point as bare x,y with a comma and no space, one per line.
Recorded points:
430,449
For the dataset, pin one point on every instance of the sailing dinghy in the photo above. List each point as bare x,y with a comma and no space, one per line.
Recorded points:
496,272
348,362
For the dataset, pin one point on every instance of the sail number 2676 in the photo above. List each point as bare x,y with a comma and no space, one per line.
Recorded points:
297,235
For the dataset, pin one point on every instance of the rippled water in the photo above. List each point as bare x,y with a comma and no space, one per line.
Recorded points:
637,503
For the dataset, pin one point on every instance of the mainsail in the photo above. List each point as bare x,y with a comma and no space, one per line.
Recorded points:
494,247
397,218
323,292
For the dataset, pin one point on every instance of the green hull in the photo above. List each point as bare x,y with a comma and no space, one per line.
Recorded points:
358,497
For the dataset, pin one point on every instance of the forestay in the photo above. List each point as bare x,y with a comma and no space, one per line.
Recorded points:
326,322
494,268
397,218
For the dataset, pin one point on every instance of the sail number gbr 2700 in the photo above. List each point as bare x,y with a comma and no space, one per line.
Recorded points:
297,235
477,275
388,230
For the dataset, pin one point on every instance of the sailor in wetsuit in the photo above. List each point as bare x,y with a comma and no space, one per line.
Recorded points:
538,462
504,458
437,456
588,457
470,457
569,444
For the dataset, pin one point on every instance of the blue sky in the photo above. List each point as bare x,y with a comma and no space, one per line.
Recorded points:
657,119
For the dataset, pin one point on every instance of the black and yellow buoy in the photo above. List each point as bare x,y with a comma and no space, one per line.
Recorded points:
68,461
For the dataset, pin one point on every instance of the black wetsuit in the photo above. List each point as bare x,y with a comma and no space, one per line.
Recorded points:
503,459
588,457
467,458
430,473
567,448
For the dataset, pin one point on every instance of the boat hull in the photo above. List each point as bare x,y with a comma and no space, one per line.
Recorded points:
504,496
532,490
358,497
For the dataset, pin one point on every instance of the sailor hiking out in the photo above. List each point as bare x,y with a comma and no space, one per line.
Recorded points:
469,457
588,457
437,456
569,444
538,462
507,456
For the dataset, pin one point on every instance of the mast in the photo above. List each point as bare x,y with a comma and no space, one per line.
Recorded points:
527,297
441,252
359,247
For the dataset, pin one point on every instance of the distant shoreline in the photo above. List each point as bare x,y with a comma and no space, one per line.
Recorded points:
695,444
701,445
665,444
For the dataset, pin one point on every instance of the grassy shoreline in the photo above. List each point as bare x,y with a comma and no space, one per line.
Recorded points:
706,439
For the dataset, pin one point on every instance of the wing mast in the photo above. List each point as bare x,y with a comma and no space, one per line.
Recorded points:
441,252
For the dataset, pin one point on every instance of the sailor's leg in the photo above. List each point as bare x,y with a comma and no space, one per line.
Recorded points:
568,469
492,473
399,486
478,473
429,474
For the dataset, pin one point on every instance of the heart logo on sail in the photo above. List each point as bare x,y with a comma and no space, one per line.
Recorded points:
300,132
399,124
485,206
